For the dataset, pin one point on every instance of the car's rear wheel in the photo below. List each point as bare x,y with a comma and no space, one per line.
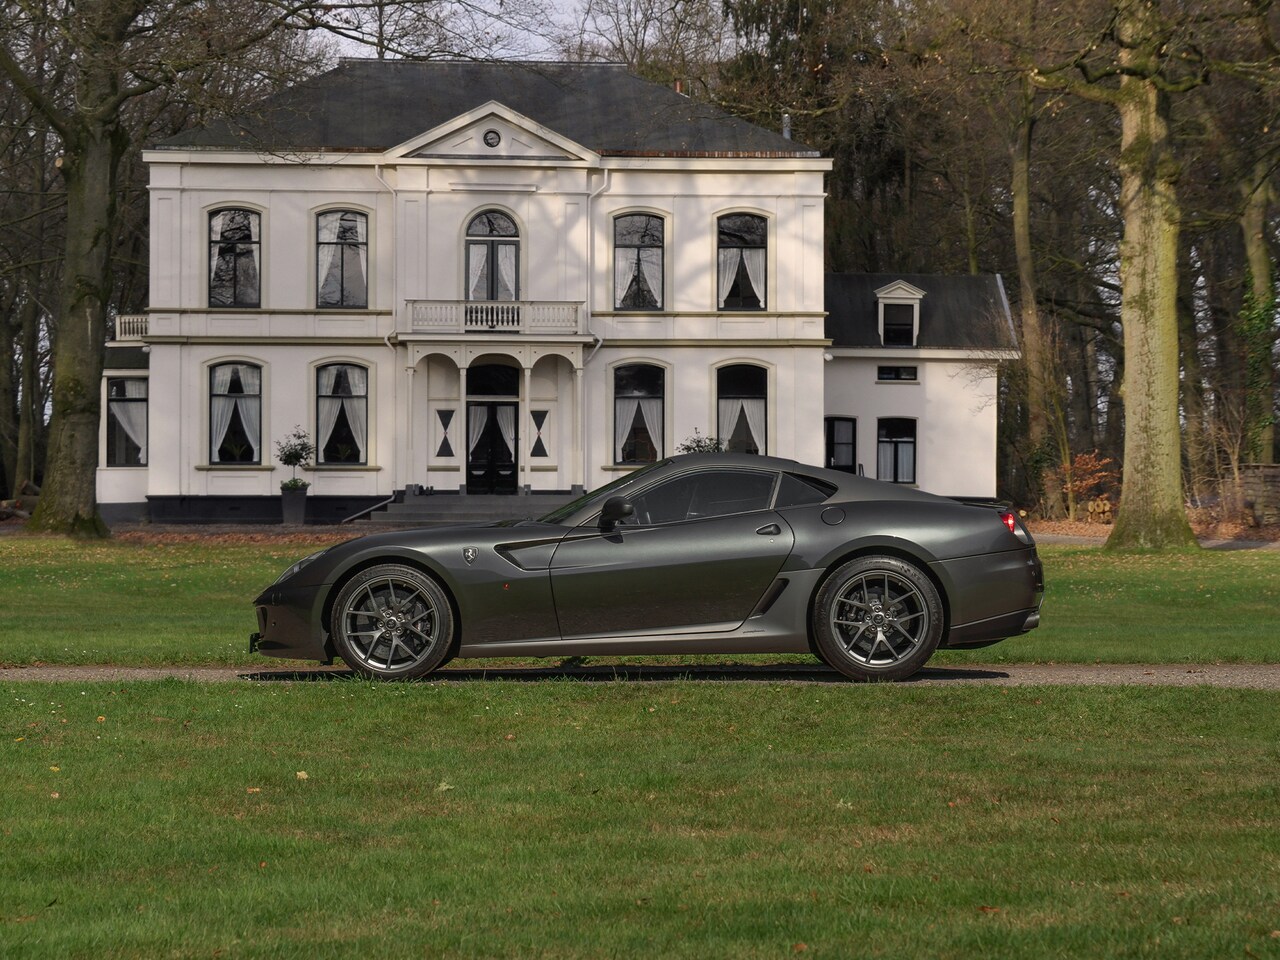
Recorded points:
392,622
877,618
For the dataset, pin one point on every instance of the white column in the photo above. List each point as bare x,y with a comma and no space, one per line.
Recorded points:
580,446
525,430
404,451
462,412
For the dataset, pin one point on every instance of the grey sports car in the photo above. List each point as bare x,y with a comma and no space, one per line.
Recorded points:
705,553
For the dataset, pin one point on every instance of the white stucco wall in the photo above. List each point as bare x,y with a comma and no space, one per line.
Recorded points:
953,403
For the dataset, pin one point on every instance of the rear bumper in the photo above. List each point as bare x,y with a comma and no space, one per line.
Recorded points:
1003,594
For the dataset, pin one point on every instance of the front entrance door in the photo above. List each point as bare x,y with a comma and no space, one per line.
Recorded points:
491,445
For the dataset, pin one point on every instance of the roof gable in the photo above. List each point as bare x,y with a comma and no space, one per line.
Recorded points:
900,290
493,132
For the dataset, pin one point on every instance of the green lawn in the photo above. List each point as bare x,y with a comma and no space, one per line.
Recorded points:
567,819
189,603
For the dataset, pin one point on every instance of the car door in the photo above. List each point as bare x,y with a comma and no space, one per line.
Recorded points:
699,552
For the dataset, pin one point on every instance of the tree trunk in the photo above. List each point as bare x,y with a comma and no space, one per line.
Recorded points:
1253,230
68,502
8,403
29,417
1152,513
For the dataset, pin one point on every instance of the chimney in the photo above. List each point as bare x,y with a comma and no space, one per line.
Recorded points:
679,85
786,125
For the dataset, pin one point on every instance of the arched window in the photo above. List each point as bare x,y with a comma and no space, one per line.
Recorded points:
896,450
493,257
342,259
743,392
235,413
637,262
235,258
342,413
639,395
742,261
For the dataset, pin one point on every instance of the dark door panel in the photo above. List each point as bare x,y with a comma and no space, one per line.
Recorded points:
649,579
491,457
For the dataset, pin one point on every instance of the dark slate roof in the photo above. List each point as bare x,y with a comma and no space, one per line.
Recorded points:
373,105
959,312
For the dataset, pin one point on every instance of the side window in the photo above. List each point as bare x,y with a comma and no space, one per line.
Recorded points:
700,496
235,258
797,491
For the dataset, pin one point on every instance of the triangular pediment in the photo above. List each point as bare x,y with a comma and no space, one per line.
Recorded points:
899,290
492,132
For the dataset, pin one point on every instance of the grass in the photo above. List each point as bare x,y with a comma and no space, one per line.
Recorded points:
566,819
135,603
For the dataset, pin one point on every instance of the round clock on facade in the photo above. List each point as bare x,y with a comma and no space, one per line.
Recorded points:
492,138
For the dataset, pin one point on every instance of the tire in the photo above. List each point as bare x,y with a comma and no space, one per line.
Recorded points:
877,618
392,622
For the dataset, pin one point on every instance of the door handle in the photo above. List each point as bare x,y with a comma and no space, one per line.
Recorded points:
769,530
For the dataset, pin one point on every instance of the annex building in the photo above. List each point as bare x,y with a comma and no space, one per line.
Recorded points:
508,278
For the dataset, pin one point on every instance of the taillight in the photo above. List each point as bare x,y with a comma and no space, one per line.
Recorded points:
1010,520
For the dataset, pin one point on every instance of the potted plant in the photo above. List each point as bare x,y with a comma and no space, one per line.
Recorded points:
293,451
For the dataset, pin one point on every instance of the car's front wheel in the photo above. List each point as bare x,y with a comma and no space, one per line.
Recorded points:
877,618
392,622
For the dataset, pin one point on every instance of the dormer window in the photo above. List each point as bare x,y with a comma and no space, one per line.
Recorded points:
899,313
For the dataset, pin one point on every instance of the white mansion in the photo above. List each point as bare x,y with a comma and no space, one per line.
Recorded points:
483,278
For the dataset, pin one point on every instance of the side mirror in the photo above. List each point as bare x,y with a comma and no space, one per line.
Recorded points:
614,511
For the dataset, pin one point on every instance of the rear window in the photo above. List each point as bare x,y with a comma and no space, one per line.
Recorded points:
796,491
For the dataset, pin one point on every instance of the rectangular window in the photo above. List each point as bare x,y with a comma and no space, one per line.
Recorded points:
841,443
896,450
639,391
235,413
342,410
899,325
342,259
126,422
895,373
742,259
235,258
637,262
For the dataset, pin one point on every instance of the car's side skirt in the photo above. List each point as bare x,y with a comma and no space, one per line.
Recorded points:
779,624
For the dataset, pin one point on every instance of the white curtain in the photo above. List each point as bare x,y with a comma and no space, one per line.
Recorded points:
254,229
250,407
357,407
651,410
624,415
220,408
507,425
327,406
906,468
215,233
479,256
884,461
477,417
651,265
506,271
730,257
729,412
132,417
623,270
754,258
756,420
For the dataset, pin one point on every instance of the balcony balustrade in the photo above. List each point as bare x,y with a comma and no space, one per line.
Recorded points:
131,326
493,316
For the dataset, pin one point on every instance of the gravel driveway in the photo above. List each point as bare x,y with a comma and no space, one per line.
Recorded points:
1241,676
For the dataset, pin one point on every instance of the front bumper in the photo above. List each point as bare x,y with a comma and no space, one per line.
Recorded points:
291,624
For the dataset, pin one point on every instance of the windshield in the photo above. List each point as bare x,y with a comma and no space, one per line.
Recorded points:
561,514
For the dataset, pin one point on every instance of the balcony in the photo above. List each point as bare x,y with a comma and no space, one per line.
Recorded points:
131,326
505,317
